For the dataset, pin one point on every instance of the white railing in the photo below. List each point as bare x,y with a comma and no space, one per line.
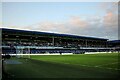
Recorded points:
94,48
38,47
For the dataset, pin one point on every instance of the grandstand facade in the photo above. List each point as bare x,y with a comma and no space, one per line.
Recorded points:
33,42
114,45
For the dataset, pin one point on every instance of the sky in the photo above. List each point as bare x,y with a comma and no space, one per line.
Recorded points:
95,19
59,0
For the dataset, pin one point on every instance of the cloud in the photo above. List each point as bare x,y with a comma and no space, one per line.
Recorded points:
98,26
109,6
110,23
103,27
110,20
49,26
77,21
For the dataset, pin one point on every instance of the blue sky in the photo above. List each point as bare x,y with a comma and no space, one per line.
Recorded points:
24,14
59,0
62,17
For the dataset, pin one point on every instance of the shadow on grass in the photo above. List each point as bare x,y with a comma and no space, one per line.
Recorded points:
37,70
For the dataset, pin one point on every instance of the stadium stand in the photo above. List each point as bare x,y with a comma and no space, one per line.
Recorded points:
114,45
19,41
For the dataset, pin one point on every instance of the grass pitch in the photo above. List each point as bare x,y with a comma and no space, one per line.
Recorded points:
66,66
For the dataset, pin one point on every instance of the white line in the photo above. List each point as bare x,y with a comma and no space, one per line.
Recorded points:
108,64
95,66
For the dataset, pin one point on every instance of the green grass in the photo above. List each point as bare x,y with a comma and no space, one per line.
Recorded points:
82,59
66,66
